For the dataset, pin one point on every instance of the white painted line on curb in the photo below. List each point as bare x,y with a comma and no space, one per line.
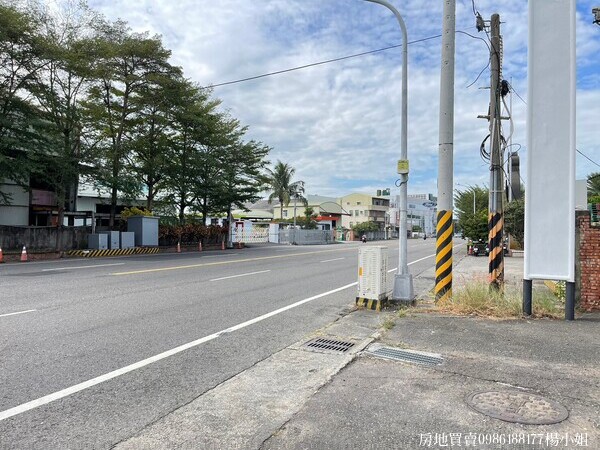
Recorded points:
240,275
20,312
334,259
82,267
20,409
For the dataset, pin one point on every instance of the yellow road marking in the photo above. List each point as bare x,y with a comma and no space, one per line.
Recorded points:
219,263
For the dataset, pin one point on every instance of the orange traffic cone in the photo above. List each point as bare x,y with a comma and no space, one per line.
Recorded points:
178,247
1,256
200,246
24,254
222,245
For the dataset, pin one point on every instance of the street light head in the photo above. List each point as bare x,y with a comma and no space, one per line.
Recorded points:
596,13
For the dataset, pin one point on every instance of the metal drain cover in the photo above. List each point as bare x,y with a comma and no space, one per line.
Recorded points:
518,407
329,344
407,356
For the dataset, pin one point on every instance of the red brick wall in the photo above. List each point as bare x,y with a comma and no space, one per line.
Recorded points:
589,260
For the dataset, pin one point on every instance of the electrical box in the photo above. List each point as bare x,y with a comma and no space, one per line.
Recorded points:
113,239
145,229
97,241
127,239
372,272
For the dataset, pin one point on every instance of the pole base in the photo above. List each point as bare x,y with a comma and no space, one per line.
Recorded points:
403,288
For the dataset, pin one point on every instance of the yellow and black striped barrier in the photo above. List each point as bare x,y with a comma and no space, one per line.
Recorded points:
370,303
443,256
496,266
114,252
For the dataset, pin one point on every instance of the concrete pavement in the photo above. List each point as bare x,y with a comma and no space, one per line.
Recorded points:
299,398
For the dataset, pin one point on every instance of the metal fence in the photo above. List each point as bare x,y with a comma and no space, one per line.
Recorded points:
305,237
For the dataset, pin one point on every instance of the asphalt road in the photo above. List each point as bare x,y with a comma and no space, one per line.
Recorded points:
92,351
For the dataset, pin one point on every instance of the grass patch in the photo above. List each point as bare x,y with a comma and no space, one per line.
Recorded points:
402,312
389,322
476,298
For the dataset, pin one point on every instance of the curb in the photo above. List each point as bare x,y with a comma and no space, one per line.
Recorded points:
114,252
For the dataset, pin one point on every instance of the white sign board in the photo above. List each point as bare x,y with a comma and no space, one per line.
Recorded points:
550,191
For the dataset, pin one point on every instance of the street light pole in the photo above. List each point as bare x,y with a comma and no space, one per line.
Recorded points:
403,283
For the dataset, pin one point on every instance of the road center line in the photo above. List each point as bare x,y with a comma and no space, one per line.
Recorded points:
240,275
334,259
19,312
20,409
219,263
82,267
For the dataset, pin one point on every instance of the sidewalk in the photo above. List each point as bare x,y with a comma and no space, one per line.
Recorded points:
318,398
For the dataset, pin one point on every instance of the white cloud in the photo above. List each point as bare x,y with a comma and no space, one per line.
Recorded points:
338,124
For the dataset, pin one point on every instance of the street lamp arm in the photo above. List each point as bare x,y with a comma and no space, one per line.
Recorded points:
404,137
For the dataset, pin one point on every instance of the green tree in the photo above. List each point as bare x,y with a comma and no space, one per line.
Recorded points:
151,142
471,208
58,87
281,185
127,64
190,126
308,221
20,50
365,227
514,220
241,178
593,185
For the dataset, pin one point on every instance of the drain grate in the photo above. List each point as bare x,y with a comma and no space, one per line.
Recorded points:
329,345
407,356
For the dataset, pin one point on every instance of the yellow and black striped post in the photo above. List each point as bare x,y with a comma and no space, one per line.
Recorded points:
496,268
443,256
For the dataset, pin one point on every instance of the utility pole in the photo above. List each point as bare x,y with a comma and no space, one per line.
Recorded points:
496,207
444,231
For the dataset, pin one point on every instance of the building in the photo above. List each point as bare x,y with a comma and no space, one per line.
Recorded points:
38,205
421,213
329,212
364,208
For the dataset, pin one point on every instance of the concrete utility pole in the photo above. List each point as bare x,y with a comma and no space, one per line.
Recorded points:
444,235
496,207
403,283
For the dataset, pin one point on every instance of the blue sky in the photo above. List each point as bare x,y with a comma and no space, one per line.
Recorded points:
338,124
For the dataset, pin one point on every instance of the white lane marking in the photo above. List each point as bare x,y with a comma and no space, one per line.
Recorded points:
20,409
20,312
240,275
83,267
334,259
413,262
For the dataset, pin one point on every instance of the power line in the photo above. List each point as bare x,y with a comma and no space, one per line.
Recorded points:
342,58
356,55
516,93
587,157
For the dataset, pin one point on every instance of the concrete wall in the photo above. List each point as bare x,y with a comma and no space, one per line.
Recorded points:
588,264
42,238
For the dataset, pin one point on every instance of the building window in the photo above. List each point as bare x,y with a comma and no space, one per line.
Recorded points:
358,203
362,213
351,213
285,213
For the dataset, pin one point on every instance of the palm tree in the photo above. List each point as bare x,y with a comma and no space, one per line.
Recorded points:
281,186
593,184
297,193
